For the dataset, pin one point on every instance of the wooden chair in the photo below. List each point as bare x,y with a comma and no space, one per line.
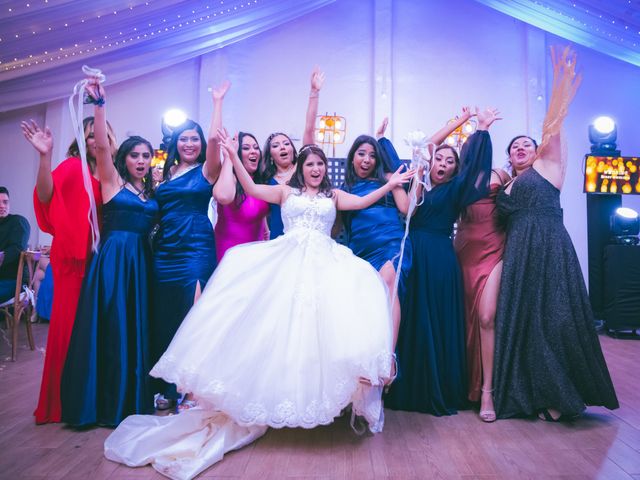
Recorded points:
23,301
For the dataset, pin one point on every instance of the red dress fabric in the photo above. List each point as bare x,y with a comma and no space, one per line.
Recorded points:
66,218
479,244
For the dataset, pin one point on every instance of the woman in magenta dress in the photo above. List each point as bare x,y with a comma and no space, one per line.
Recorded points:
241,217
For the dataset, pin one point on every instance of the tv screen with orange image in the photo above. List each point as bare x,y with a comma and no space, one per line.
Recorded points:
619,175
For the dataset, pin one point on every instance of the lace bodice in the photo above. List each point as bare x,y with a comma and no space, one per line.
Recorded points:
316,213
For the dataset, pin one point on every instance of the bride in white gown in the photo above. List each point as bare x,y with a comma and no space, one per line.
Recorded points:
287,333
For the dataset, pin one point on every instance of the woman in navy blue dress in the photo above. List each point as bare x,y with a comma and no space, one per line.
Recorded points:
431,346
105,377
279,154
184,249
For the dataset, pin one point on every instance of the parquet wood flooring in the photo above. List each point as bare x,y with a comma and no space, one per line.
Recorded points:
601,444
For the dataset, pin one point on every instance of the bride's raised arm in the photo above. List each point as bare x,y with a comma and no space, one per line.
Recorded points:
268,193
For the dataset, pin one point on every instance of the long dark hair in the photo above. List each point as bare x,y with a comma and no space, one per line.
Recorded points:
173,157
512,171
240,194
377,173
297,180
120,162
267,168
87,124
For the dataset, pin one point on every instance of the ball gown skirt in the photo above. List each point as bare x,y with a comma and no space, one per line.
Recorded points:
547,351
281,337
106,374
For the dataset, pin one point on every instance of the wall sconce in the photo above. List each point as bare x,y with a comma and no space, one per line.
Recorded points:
457,138
159,157
330,130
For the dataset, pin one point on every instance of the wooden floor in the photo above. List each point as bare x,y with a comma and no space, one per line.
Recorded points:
601,444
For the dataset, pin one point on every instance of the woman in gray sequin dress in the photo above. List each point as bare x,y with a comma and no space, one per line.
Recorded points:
548,359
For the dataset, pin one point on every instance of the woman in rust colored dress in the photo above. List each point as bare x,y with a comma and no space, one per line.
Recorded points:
479,244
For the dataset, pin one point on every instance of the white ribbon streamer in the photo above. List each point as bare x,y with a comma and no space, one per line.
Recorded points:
422,151
76,119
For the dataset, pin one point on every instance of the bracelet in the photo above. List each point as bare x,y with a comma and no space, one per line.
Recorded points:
88,99
314,94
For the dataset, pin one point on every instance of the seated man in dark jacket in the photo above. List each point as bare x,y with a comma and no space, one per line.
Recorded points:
14,235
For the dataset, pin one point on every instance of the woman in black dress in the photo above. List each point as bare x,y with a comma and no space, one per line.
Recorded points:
548,359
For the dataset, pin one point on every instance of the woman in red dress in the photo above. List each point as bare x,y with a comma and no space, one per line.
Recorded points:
62,208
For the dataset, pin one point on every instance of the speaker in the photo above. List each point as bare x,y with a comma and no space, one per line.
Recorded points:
600,207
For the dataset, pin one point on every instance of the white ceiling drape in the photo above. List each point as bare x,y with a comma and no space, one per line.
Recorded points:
611,27
44,43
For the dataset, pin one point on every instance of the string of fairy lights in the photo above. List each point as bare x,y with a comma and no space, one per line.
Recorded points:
598,20
118,28
602,22
27,25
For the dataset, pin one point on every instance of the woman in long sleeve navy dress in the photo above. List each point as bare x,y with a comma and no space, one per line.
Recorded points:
431,344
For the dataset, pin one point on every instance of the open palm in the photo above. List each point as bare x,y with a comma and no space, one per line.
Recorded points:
42,140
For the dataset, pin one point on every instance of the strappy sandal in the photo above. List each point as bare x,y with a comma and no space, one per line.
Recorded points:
487,416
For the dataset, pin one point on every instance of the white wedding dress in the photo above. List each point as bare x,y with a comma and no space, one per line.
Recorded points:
282,336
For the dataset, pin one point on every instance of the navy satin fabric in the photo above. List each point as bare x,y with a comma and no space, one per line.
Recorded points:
276,227
431,343
375,233
184,254
105,377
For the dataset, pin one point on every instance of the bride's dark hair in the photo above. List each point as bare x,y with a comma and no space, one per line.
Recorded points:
297,179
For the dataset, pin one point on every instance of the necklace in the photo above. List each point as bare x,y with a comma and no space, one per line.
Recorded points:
178,172
285,173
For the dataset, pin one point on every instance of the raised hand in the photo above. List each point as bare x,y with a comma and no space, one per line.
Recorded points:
42,140
382,128
399,178
487,117
95,88
317,79
229,143
218,93
467,113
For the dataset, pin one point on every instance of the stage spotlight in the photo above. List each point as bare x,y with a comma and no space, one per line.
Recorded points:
625,226
171,119
603,135
174,117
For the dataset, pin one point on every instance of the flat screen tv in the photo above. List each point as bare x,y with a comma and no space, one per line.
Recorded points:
619,175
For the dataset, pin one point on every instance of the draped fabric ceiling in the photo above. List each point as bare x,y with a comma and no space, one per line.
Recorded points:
611,27
43,43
